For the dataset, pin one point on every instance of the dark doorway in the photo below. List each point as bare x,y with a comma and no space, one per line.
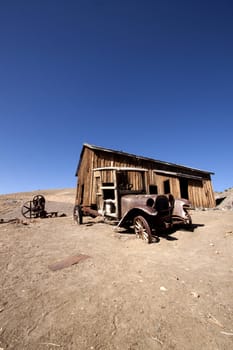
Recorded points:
82,194
184,188
166,185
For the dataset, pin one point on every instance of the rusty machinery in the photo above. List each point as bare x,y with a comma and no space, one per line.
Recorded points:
36,208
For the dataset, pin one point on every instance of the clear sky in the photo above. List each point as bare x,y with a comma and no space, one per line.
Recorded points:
152,78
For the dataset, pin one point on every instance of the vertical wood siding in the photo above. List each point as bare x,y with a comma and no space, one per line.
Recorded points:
200,193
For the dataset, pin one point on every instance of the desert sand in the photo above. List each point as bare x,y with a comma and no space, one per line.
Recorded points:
173,294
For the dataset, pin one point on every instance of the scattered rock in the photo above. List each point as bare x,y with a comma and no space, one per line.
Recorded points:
163,289
224,200
195,294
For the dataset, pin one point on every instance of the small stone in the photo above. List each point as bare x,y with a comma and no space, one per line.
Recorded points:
163,289
195,294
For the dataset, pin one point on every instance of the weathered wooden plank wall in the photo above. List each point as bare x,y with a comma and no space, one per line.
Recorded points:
200,192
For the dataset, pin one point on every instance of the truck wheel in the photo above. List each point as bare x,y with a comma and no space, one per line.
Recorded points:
189,219
142,229
78,215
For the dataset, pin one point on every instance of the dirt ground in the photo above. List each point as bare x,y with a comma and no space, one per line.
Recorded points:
174,294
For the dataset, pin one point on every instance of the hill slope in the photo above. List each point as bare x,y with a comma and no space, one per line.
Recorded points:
61,200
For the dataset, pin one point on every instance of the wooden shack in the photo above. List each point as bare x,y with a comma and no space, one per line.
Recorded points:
162,177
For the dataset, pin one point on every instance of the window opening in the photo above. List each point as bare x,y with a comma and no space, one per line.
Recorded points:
184,188
166,185
108,194
153,189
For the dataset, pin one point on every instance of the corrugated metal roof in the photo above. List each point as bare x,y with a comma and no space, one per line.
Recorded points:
129,155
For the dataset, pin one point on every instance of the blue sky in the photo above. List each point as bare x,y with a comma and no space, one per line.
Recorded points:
152,78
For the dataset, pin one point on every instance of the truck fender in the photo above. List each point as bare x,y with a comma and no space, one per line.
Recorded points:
128,217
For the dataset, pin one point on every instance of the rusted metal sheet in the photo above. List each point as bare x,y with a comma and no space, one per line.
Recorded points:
13,221
71,260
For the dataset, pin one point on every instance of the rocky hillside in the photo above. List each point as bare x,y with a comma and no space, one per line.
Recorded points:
224,200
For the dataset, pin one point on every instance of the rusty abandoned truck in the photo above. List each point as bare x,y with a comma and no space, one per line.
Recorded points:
121,197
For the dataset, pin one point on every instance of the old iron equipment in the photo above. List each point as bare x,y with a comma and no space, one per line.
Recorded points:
36,208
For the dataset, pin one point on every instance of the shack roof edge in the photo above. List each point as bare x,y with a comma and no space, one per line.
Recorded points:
98,148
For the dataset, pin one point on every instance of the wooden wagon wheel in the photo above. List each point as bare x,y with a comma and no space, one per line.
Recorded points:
27,210
142,228
188,219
